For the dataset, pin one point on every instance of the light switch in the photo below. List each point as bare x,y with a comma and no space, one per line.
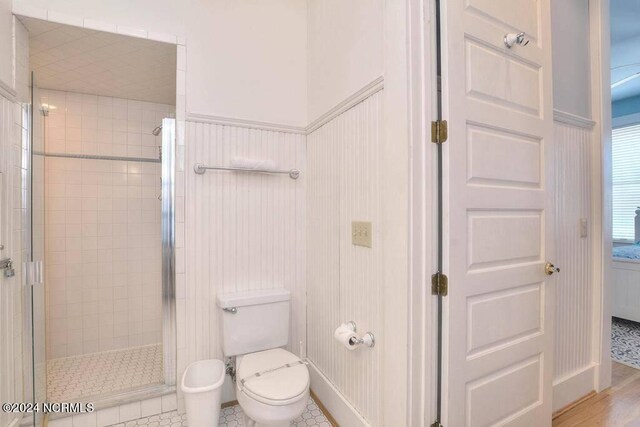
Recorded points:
361,233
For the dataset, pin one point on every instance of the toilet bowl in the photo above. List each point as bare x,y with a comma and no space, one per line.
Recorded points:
272,387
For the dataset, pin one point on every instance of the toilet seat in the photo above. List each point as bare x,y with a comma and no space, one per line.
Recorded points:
273,377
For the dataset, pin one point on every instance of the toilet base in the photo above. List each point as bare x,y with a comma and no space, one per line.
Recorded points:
248,422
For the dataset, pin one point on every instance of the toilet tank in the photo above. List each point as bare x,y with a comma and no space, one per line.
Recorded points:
254,320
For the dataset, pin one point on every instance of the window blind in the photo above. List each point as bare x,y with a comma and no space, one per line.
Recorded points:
626,180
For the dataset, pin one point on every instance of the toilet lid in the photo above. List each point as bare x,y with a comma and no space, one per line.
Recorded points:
273,376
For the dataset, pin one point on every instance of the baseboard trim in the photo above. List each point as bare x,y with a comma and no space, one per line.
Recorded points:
227,404
342,412
573,388
570,406
324,410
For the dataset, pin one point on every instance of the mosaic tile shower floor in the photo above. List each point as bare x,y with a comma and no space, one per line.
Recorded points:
230,417
97,374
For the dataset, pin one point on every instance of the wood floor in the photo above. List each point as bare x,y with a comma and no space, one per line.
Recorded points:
616,407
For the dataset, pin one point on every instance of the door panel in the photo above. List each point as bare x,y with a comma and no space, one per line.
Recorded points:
502,159
498,229
524,17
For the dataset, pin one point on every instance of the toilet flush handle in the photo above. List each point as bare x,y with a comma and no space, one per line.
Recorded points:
232,310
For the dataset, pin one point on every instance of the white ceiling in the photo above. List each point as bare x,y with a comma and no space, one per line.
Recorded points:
625,47
87,61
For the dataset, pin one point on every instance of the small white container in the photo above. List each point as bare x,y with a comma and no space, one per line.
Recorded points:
202,387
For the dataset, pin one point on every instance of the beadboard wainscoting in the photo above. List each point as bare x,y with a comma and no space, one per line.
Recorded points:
574,366
344,282
244,231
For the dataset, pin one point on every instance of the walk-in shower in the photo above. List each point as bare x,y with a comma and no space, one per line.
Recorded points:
99,182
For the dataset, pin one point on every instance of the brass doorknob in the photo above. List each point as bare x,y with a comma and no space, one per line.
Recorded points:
549,269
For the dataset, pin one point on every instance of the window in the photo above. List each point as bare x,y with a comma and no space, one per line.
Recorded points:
626,180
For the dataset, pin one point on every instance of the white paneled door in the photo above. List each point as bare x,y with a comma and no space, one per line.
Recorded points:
498,173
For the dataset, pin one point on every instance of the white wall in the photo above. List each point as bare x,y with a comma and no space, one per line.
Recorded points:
22,74
245,59
6,43
571,57
243,232
345,50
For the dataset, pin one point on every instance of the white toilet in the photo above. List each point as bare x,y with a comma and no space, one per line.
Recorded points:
272,384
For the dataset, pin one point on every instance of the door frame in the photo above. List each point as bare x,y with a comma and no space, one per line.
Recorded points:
421,404
601,239
422,323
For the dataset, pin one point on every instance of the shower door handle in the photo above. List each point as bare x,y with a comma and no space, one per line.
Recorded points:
39,273
33,271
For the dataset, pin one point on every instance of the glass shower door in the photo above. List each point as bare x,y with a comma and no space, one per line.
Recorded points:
33,268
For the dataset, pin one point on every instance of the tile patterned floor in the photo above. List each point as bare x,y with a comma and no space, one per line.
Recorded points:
229,417
103,373
625,342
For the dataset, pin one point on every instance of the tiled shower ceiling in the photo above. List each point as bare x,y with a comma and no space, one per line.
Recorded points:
80,60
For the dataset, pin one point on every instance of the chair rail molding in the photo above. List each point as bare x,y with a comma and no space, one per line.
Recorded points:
346,104
560,116
245,123
7,91
349,102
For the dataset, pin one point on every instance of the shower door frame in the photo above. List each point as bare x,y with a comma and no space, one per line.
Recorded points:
169,326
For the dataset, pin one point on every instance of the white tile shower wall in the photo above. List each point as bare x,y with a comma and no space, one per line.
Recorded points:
344,282
12,214
103,241
89,124
11,309
244,231
21,61
574,287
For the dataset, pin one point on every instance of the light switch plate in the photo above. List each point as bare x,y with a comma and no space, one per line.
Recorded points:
584,227
361,233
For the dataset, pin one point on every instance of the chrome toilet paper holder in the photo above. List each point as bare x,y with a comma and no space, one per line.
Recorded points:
367,339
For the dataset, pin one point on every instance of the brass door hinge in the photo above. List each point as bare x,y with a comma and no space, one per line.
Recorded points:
439,131
437,424
439,284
